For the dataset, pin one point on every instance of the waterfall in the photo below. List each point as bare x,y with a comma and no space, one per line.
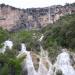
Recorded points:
27,63
8,44
23,47
63,63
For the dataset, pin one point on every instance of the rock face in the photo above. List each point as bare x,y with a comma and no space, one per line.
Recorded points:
12,18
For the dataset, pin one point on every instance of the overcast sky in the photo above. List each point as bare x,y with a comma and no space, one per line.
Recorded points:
34,3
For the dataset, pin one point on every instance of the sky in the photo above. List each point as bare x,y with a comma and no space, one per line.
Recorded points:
34,3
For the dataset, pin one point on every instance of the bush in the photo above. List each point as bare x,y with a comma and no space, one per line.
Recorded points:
10,65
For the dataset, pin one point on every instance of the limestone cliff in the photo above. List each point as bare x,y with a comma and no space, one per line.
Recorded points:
12,18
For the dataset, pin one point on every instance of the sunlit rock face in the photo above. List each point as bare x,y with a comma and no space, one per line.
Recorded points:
12,18
63,63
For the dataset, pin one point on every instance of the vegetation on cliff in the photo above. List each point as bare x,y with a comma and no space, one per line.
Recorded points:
61,34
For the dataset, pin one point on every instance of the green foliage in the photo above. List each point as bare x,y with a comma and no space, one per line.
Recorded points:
10,64
30,38
60,34
21,36
3,35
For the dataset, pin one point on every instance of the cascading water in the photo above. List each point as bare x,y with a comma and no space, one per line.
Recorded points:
8,44
23,47
63,63
28,64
